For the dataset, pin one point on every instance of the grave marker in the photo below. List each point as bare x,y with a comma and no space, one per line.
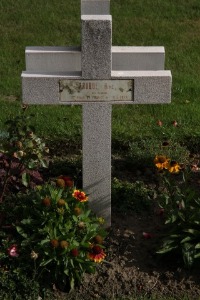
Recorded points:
96,76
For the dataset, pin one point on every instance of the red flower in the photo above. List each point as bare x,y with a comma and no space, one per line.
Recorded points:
97,254
74,252
13,251
159,123
160,211
174,123
68,181
80,196
147,235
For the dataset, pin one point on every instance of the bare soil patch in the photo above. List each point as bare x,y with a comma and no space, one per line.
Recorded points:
132,269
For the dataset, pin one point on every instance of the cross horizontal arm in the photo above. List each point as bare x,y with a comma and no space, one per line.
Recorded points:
62,59
149,87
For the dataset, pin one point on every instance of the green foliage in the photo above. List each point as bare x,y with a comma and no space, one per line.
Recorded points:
181,203
47,232
53,233
127,196
16,284
23,144
22,151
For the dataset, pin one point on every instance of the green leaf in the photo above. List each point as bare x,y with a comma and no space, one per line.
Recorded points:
25,179
46,262
181,215
197,246
44,241
197,255
75,218
21,232
72,263
66,271
43,163
72,282
166,250
192,231
187,239
188,256
26,221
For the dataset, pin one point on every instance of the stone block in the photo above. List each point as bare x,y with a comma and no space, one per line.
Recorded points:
43,88
62,59
53,59
97,157
150,87
138,58
95,7
96,47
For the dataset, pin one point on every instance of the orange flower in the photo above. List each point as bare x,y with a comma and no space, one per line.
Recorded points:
64,244
161,162
61,202
174,167
54,243
97,254
60,182
77,211
80,196
46,201
98,239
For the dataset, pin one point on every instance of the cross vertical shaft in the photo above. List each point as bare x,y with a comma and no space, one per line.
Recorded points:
97,64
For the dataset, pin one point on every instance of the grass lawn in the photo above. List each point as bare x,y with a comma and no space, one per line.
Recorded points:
136,135
173,24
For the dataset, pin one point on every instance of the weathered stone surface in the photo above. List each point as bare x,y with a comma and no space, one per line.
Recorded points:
150,87
62,59
96,47
43,88
53,59
138,58
97,157
95,7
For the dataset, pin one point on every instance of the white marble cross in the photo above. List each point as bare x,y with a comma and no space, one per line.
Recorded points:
96,76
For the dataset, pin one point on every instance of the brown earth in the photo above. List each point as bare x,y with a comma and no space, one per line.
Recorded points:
132,269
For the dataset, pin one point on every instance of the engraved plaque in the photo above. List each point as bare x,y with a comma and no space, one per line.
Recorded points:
96,90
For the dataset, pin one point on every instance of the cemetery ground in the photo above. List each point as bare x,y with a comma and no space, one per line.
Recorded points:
132,269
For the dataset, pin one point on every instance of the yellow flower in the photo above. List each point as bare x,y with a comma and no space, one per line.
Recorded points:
174,167
80,196
34,255
96,254
101,220
161,162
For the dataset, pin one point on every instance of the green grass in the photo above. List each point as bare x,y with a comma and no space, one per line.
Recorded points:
173,24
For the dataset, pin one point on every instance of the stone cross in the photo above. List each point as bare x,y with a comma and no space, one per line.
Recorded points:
96,76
